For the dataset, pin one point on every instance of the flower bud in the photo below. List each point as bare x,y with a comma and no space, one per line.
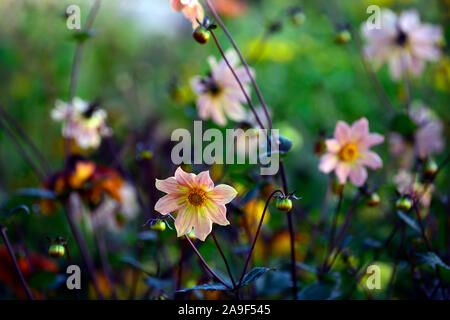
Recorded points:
191,235
201,35
297,15
159,226
343,37
429,170
373,200
284,204
56,251
403,204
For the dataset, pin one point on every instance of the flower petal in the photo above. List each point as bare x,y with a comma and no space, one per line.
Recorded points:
372,139
328,162
342,172
169,185
222,194
184,178
360,129
358,175
333,145
204,180
186,219
169,203
342,132
203,226
372,160
217,213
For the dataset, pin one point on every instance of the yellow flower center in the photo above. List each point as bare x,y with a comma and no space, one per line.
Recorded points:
349,152
196,197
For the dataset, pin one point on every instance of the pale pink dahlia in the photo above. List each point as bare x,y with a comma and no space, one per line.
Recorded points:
349,152
220,93
191,9
197,201
402,41
82,121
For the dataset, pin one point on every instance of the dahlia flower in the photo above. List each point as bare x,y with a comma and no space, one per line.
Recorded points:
403,42
349,152
197,201
219,93
82,122
428,139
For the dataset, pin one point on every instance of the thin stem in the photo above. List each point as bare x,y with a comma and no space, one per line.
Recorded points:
336,215
257,234
202,260
291,234
293,261
103,253
83,249
422,228
244,62
79,51
379,89
180,266
26,138
249,102
341,233
397,258
224,258
40,174
16,266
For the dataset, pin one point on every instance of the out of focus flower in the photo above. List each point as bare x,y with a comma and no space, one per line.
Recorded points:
253,210
191,9
197,201
428,138
220,93
230,8
408,185
403,42
30,264
83,122
115,213
349,152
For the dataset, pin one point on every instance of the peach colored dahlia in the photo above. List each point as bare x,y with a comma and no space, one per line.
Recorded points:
197,201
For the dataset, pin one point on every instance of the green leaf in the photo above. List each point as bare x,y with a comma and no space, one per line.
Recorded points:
403,124
158,283
36,193
317,291
82,36
432,259
148,235
134,263
408,220
275,282
44,280
206,286
306,267
253,275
